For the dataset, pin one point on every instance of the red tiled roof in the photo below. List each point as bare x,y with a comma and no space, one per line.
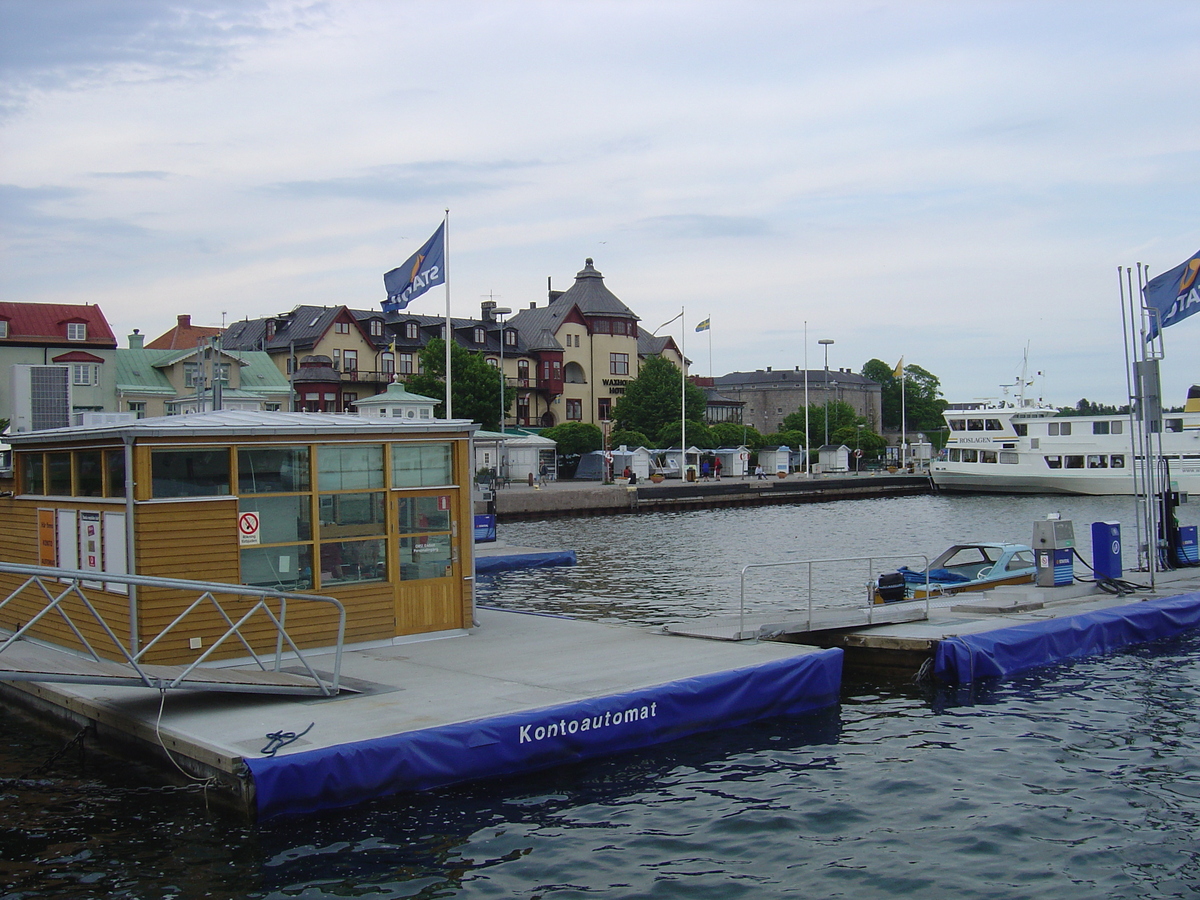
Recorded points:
183,336
46,323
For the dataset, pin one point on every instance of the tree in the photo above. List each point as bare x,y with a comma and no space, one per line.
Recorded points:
731,434
698,435
652,399
628,438
871,444
575,438
923,404
475,388
793,440
1086,407
841,415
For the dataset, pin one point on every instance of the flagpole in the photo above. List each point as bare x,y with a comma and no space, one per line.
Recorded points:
903,421
683,394
449,326
710,368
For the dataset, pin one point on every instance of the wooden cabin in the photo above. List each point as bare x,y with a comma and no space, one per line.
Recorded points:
376,514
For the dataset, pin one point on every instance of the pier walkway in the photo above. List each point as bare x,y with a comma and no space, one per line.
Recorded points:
591,498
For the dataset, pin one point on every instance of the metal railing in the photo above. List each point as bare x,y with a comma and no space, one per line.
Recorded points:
58,586
809,563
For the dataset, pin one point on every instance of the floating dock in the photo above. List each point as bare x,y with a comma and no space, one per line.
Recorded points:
520,693
491,558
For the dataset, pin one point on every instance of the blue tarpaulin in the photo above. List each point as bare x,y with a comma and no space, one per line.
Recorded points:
994,654
535,739
506,562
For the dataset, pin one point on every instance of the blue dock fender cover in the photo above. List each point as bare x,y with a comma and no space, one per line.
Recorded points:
994,654
485,565
340,775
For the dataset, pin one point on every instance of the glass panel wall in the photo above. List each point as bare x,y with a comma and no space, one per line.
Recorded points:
421,465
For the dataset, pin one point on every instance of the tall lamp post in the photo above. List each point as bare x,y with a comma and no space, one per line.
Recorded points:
825,342
499,313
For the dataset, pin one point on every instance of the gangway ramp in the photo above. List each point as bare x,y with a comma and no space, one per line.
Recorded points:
816,615
63,595
733,628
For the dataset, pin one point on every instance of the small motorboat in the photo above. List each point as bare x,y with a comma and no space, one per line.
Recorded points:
963,567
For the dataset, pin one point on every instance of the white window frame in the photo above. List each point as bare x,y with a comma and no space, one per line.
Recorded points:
76,331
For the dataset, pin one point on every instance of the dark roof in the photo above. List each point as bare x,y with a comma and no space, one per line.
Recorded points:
589,294
787,378
46,323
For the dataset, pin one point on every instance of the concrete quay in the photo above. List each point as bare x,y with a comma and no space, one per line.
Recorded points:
590,498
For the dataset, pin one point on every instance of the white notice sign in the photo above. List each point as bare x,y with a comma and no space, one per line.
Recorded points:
248,529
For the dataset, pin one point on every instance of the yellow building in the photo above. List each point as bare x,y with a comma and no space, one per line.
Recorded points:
375,514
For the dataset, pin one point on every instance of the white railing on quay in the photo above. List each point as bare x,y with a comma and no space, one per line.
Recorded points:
57,586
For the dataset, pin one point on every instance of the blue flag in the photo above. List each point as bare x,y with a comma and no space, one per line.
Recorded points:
1175,294
703,326
420,272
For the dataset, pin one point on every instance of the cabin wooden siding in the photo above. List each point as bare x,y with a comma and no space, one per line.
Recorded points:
19,544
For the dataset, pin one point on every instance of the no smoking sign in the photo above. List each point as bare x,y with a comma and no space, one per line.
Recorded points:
248,533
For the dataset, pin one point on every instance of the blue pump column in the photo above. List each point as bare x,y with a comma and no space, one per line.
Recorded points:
1106,550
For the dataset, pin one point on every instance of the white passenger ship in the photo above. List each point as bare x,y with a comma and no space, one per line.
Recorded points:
1023,447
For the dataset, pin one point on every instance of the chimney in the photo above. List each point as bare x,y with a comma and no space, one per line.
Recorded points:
533,304
487,307
136,339
184,322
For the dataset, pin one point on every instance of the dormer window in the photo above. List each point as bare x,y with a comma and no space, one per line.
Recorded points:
270,329
480,336
410,330
376,328
3,328
76,331
510,338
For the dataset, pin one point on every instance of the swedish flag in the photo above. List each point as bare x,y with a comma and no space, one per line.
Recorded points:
704,326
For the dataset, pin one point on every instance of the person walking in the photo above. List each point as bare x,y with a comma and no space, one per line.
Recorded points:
717,468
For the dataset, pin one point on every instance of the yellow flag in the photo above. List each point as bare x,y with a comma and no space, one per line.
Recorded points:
899,368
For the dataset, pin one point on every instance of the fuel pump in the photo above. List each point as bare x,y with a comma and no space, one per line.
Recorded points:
1053,546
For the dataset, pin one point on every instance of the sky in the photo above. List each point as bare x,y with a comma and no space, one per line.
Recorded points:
954,184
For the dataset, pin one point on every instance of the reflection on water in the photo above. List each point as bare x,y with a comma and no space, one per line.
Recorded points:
649,569
1076,781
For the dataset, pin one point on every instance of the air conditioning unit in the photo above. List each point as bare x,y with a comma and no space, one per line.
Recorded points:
41,398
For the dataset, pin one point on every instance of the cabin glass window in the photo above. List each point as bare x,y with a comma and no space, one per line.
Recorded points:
426,556
273,470
1117,461
955,455
1175,425
1053,462
992,425
1100,428
190,473
1118,427
351,515
958,424
353,562
114,473
1007,457
970,456
424,515
421,465
1074,462
281,568
33,475
89,473
282,520
349,468
1097,461
1022,429
58,474
987,456
974,424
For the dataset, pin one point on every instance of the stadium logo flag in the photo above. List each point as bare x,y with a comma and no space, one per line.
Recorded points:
421,271
1175,294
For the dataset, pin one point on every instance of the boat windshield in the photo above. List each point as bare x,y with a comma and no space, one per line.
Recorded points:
966,555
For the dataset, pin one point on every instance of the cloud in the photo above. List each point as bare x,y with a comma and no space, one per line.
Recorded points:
405,183
704,226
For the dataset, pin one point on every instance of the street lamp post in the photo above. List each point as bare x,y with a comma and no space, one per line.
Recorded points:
825,342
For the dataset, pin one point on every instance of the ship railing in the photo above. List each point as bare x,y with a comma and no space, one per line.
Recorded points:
55,588
873,569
